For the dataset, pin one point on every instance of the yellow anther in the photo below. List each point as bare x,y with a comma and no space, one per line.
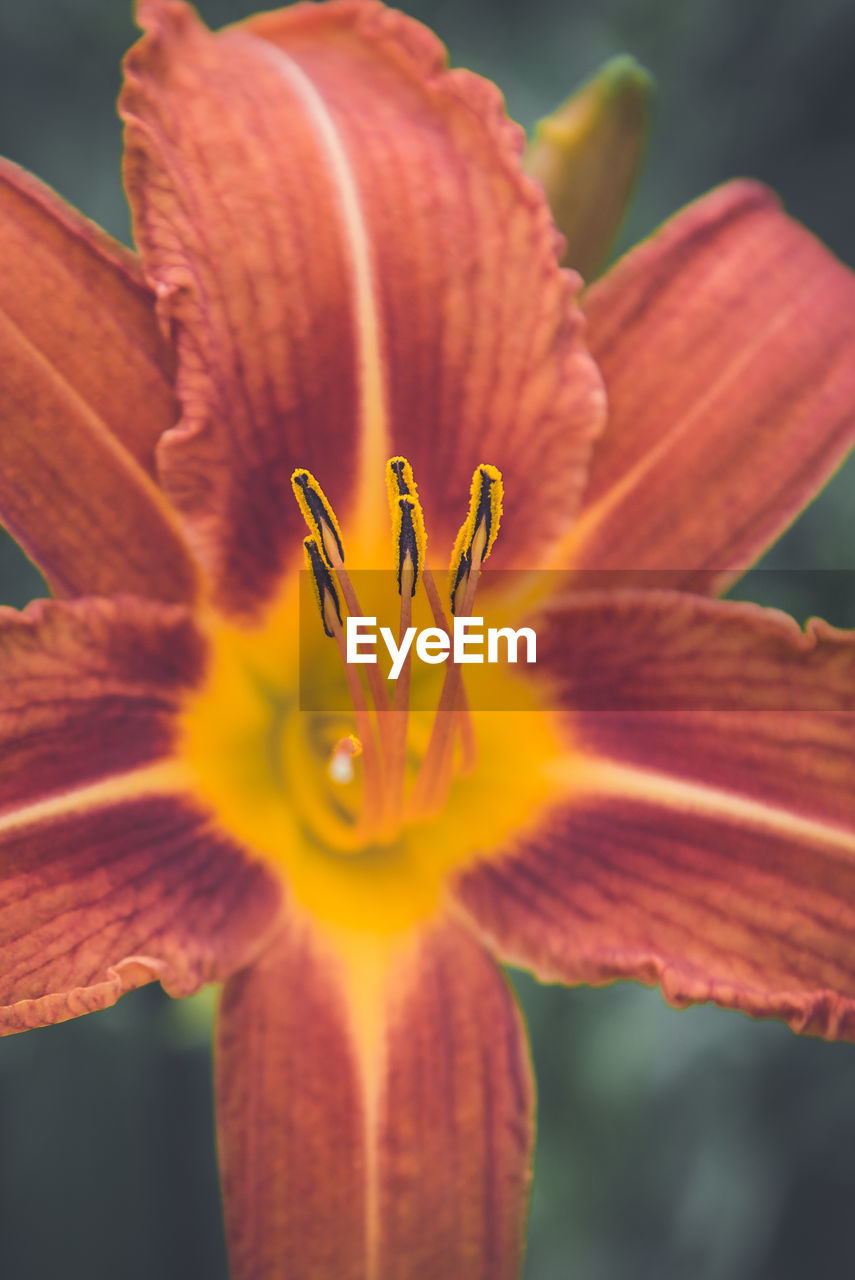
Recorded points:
326,594
411,541
318,515
400,482
479,530
408,522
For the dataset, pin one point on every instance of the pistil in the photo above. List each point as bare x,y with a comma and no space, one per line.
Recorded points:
345,751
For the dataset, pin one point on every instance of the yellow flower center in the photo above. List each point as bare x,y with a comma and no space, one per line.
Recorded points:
363,800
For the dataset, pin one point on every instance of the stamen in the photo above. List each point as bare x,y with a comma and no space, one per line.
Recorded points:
318,515
473,544
382,740
464,717
330,609
326,594
411,541
478,532
321,519
410,544
408,520
400,481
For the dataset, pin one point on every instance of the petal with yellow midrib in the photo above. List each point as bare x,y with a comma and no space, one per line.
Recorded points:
727,344
354,267
111,873
705,838
375,1111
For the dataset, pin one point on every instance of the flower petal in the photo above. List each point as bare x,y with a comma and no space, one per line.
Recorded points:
355,267
373,1122
86,393
703,835
66,285
109,876
727,342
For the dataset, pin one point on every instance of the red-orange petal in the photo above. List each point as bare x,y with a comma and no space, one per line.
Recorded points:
727,342
109,875
86,393
706,835
354,266
355,1147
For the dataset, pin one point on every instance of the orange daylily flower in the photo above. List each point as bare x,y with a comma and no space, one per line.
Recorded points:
342,263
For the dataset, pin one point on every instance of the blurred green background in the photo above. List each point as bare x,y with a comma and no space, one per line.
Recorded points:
683,1146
